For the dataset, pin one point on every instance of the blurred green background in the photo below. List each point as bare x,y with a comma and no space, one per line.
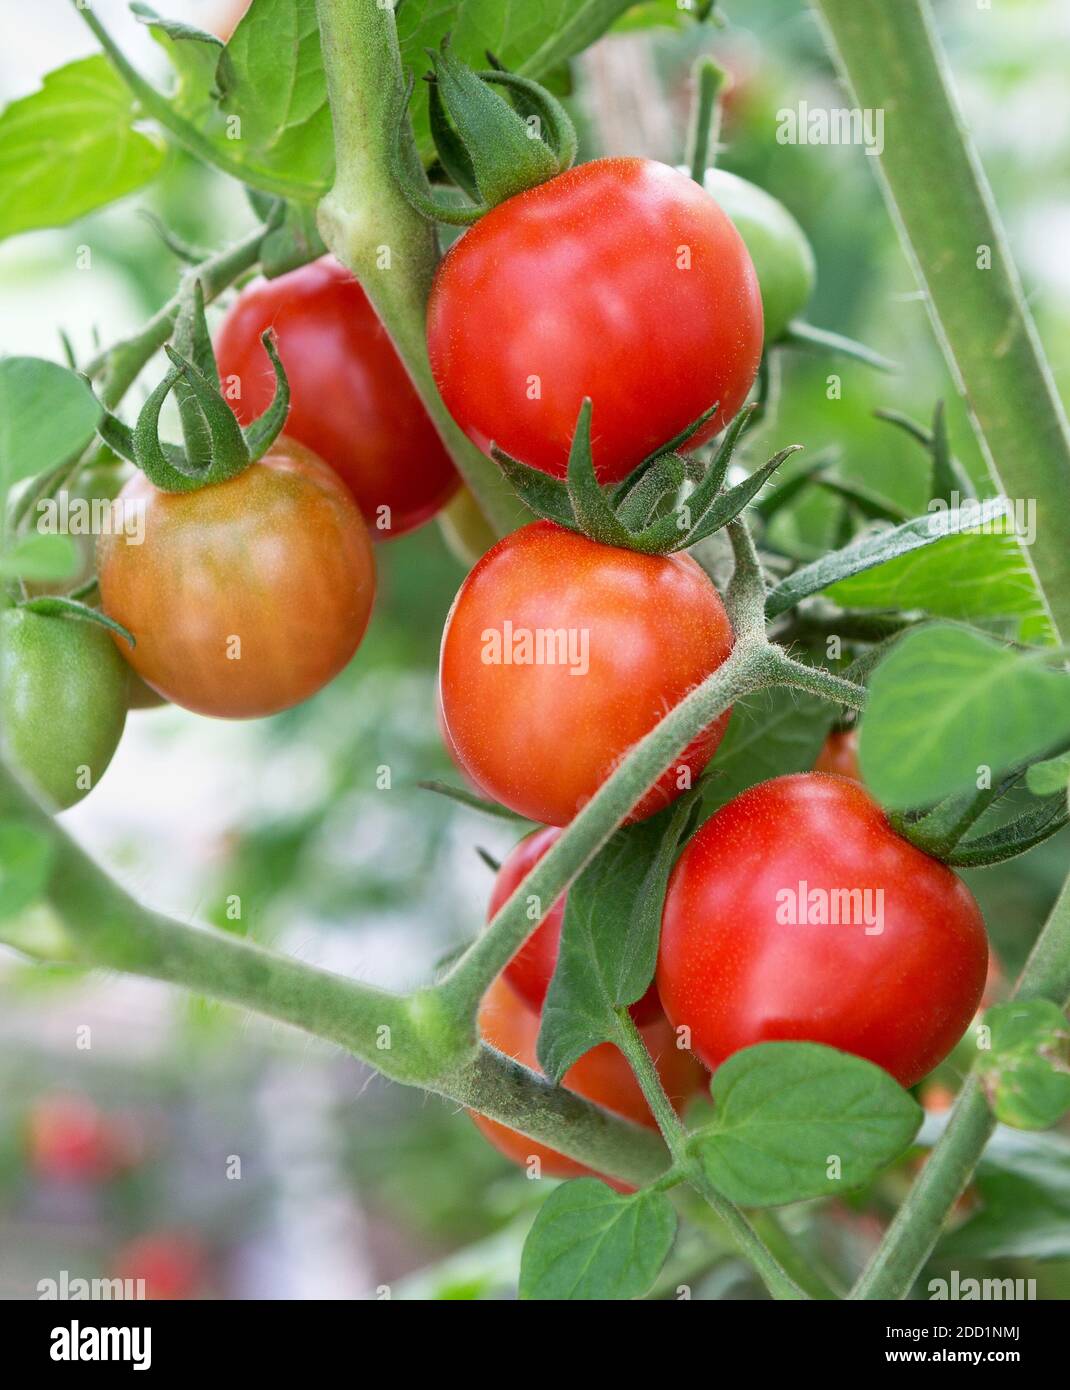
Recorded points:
264,1164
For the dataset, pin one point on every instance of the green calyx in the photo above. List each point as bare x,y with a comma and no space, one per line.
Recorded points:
667,504
215,446
490,148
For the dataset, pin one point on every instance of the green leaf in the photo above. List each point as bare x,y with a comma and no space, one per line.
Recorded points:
1026,1068
877,549
40,559
71,147
799,1120
770,733
609,938
47,415
1051,776
1015,837
25,864
969,576
589,1242
946,703
472,800
271,78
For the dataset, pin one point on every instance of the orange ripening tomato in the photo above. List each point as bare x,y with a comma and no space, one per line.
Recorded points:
839,755
559,654
247,596
601,1075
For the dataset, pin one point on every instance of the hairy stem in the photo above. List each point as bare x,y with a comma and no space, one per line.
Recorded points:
371,228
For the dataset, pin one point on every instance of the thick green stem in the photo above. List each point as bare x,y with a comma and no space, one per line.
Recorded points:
951,231
818,681
371,228
409,1039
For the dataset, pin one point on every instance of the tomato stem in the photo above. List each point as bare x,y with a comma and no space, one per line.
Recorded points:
711,82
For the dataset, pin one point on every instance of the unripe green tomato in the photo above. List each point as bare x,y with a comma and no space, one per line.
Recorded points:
466,531
777,244
63,690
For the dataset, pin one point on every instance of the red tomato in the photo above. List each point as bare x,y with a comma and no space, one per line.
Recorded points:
621,280
601,1075
351,400
839,756
530,969
170,1262
743,961
559,654
245,597
70,1140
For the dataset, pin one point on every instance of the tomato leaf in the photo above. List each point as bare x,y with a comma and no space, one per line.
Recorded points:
471,800
25,864
770,733
609,937
877,549
945,704
1025,1069
589,1242
40,558
47,415
1018,836
799,1120
969,576
71,147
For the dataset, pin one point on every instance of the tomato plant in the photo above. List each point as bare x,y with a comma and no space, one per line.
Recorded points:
530,970
352,402
839,755
601,1075
656,316
560,653
247,596
63,691
839,932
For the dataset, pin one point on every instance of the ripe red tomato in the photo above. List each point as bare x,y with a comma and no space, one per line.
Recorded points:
530,969
170,1262
621,280
602,1075
245,597
560,653
351,400
839,755
70,1140
742,959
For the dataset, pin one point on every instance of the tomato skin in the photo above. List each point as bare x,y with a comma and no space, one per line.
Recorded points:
601,1075
782,255
727,969
530,970
63,693
839,755
580,285
278,557
351,399
170,1262
540,739
69,1140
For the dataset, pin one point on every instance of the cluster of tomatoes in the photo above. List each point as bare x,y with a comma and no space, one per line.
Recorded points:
625,282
